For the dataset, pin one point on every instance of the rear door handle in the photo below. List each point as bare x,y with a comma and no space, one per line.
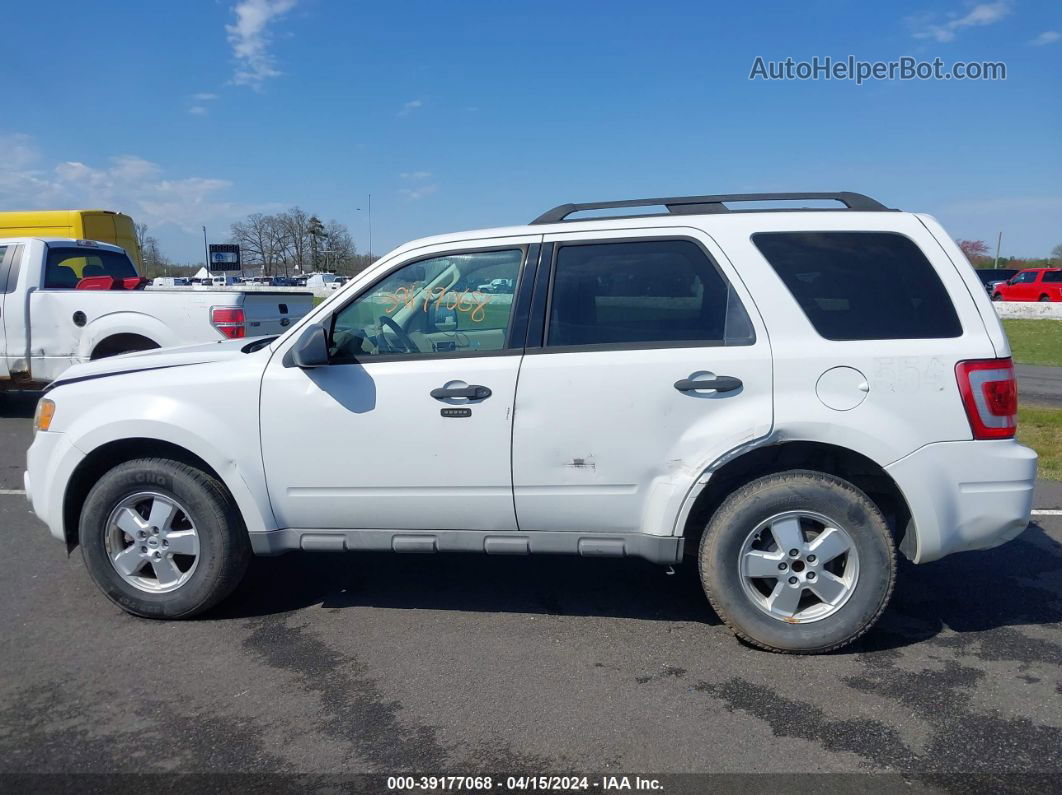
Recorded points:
472,392
721,383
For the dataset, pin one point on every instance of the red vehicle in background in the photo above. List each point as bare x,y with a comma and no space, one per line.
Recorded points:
1032,284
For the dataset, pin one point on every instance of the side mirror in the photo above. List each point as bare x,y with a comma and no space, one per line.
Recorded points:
311,350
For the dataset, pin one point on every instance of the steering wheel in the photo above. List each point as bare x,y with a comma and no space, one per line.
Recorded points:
408,346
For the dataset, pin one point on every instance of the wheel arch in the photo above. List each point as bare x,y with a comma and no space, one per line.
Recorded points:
121,342
856,468
135,324
110,454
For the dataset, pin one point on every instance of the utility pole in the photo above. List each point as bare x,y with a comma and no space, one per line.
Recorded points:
369,205
999,242
206,254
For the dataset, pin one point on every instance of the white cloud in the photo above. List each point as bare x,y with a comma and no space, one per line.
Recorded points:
197,110
127,183
410,106
204,96
419,192
415,175
980,14
1047,37
250,39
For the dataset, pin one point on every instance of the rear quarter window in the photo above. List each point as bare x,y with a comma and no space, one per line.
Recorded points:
862,285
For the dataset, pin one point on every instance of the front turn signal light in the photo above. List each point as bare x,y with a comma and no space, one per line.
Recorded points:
42,417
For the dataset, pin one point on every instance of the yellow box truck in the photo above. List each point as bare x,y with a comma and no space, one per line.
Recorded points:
106,226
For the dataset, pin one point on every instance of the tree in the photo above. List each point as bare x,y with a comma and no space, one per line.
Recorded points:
975,250
295,225
315,229
260,238
154,263
340,246
1056,252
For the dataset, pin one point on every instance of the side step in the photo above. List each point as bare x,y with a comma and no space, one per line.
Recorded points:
658,549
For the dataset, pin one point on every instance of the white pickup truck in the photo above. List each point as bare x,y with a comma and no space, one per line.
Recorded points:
64,301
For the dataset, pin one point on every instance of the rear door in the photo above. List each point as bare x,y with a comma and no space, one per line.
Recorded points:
649,361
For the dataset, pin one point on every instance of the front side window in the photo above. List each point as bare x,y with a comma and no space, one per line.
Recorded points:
861,285
1025,278
68,265
642,293
457,303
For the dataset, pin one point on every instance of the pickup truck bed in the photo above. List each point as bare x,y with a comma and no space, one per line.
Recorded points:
45,328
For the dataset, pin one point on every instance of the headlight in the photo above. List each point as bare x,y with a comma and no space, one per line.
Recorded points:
42,417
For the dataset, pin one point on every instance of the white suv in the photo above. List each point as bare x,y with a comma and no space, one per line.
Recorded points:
788,396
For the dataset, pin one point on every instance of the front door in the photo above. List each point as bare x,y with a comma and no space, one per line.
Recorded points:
410,425
650,366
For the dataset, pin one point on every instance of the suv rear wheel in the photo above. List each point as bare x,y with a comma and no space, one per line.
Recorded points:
798,561
162,539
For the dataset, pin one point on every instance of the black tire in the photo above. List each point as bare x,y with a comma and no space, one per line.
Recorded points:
797,490
997,297
224,548
1044,299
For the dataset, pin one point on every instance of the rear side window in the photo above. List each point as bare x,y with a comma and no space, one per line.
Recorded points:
862,285
67,265
652,292
1053,276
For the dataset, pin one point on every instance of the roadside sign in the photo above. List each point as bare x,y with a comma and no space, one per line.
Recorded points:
224,257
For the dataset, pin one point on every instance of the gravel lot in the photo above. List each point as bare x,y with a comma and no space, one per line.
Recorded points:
378,663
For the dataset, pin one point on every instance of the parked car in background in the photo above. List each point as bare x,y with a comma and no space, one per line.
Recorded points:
67,301
170,281
787,397
1031,284
321,279
106,226
990,277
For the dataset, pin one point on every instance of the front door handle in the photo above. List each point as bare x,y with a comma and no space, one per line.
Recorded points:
720,383
472,392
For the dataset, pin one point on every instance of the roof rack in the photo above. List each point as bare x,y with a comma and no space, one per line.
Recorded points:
700,205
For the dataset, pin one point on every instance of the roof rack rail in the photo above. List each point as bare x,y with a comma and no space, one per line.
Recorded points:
699,205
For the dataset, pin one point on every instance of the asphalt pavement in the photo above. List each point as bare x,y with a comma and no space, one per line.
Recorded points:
454,664
1039,385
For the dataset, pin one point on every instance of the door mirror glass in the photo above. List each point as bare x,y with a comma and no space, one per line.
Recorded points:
312,348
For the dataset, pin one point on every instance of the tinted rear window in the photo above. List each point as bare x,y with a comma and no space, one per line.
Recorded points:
861,285
1053,276
67,265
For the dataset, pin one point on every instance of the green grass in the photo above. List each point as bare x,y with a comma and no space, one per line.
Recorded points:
1035,341
1041,429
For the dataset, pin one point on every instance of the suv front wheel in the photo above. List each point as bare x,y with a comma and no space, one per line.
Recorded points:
798,561
162,539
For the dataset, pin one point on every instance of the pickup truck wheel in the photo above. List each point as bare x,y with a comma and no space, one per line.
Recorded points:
798,561
162,539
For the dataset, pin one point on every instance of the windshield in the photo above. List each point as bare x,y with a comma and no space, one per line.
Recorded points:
68,265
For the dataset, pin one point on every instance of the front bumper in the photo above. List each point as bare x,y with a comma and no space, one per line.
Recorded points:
965,495
50,462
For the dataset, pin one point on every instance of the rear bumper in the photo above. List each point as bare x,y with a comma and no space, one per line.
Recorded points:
965,495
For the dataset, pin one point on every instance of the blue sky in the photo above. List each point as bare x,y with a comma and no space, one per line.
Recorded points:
466,114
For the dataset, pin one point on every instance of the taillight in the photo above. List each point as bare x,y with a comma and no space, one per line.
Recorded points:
228,321
990,395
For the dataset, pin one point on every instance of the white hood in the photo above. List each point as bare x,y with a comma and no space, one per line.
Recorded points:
154,360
